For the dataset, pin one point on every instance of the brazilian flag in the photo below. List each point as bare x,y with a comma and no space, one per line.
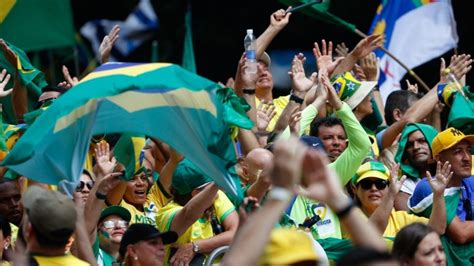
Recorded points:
159,100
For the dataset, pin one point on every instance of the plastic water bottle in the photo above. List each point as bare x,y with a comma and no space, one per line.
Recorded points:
250,45
453,82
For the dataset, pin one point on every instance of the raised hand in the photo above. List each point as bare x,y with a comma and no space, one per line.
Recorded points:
395,183
294,122
370,66
175,156
265,114
279,19
333,98
105,161
300,83
72,81
439,182
288,158
460,65
108,43
412,87
341,50
4,78
359,73
324,57
366,46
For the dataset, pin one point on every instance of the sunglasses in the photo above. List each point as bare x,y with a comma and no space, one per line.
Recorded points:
112,224
379,184
82,184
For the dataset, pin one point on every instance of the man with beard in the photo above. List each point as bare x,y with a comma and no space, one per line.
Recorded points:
413,155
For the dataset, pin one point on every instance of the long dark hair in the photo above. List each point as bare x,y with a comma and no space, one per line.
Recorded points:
407,240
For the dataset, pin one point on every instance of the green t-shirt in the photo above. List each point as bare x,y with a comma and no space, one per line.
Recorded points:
103,258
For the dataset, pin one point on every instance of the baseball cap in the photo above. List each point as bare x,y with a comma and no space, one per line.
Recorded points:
312,142
50,212
371,169
187,177
350,90
115,210
138,232
447,139
287,246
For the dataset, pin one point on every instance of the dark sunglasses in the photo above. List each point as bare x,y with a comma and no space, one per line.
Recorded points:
379,184
82,184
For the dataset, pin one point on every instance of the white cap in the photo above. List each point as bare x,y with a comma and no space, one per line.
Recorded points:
249,31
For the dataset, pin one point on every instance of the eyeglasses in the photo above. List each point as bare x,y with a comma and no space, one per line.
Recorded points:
112,224
379,184
82,184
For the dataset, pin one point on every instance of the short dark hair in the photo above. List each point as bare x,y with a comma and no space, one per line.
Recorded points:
407,240
364,255
328,121
398,99
60,239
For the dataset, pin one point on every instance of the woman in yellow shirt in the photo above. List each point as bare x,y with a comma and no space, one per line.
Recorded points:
375,192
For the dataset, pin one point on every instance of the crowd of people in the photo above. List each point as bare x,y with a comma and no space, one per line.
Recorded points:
331,175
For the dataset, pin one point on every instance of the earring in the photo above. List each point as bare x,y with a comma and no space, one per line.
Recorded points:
135,258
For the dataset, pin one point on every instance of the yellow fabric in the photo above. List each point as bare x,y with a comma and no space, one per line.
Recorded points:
400,219
280,104
5,263
14,234
60,261
201,229
155,200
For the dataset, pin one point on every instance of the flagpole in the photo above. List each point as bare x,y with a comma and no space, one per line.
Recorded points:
410,71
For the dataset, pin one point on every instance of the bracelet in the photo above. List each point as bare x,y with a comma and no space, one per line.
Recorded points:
248,91
296,99
279,193
345,211
100,196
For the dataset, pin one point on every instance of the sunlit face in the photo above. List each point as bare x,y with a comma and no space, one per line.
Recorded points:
370,198
265,78
334,140
112,229
84,187
10,202
150,252
429,252
136,191
459,156
417,149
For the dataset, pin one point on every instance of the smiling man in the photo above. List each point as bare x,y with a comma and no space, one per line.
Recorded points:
414,156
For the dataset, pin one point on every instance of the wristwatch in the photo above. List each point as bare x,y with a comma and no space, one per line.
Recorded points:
195,247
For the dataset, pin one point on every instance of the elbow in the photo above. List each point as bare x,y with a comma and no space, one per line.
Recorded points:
458,237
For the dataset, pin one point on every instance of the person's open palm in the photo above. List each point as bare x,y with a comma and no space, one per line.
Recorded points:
105,162
443,174
4,78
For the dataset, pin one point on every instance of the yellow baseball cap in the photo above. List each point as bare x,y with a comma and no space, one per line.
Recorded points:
371,169
447,139
287,246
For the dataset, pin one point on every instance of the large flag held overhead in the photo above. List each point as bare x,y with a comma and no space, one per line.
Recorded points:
415,31
158,100
36,25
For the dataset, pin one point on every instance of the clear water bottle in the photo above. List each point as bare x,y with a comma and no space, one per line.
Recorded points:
452,82
250,45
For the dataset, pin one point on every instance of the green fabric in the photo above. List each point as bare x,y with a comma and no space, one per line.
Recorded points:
30,77
457,254
428,131
345,85
3,144
128,151
335,248
159,100
320,12
187,177
106,258
189,61
461,115
235,108
38,25
375,119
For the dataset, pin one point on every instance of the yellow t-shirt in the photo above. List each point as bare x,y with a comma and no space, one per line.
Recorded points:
155,200
280,104
400,219
201,229
59,260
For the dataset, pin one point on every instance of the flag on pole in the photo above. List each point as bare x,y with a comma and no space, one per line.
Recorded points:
159,100
415,32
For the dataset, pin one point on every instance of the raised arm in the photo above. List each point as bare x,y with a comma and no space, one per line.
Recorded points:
278,20
438,185
166,174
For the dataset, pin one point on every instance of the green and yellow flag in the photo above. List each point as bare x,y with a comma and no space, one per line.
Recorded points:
37,25
159,100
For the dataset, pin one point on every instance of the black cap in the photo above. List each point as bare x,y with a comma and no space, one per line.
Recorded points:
138,232
313,142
